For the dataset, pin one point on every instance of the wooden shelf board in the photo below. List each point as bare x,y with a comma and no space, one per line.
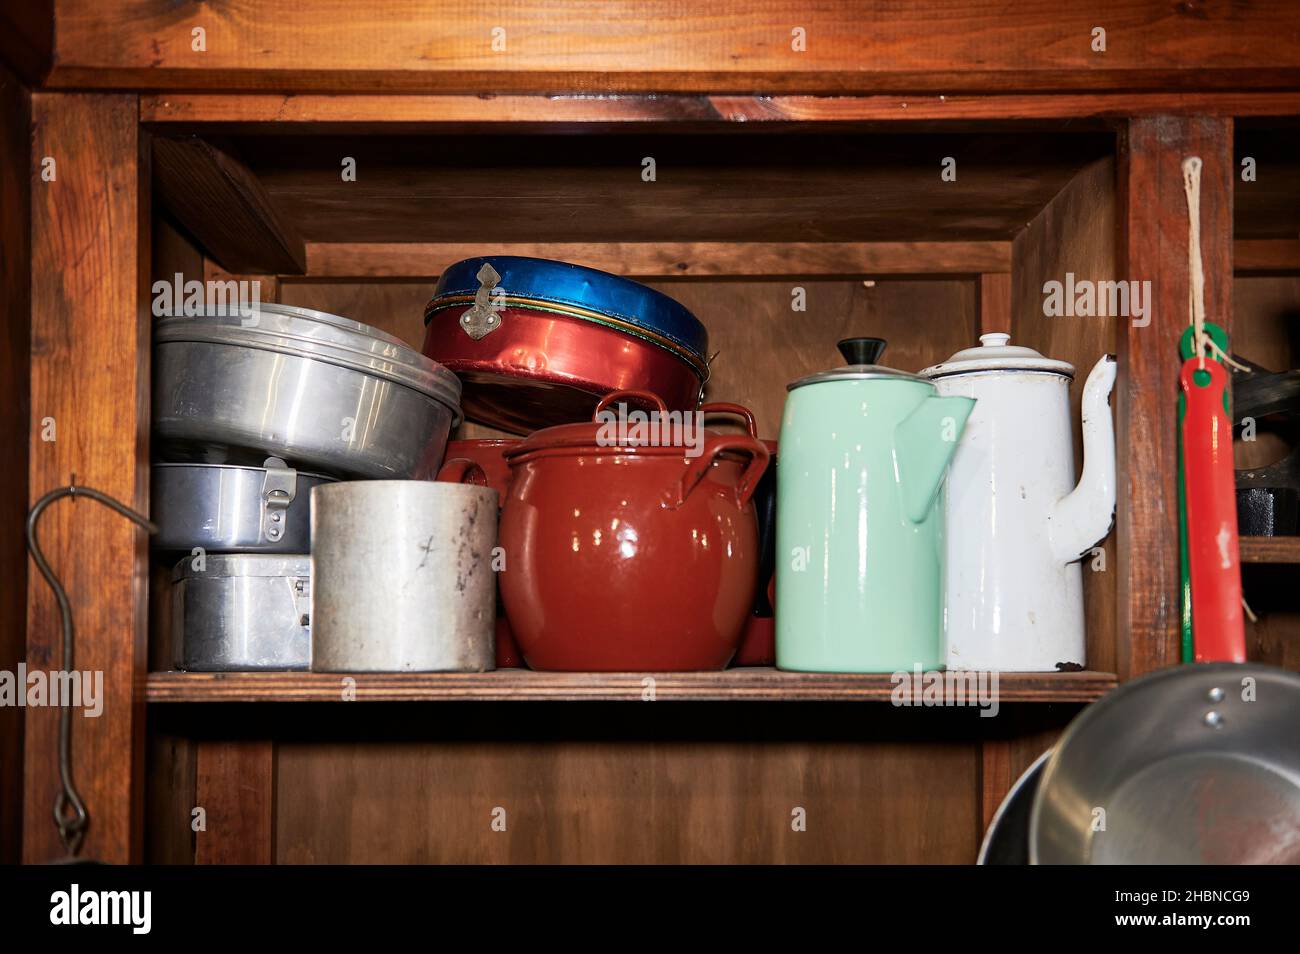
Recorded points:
389,110
1270,549
519,685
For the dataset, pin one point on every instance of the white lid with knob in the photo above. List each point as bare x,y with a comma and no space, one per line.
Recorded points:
996,354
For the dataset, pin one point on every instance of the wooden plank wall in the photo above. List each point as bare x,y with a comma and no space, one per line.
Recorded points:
90,372
1154,226
1266,330
626,783
627,803
235,788
15,358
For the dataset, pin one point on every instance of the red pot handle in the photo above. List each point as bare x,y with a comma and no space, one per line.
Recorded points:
724,407
697,467
462,470
1214,564
614,397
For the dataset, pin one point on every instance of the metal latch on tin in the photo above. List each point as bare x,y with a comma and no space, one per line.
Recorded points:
279,487
302,600
484,316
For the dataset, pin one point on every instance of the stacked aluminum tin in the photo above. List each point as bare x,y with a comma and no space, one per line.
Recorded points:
252,410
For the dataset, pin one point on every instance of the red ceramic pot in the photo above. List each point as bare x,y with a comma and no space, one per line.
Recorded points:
489,455
629,556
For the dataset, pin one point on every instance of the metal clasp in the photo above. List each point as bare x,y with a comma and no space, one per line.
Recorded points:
302,600
279,487
484,316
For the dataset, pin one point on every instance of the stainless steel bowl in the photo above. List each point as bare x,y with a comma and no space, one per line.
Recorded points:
1197,764
225,508
315,389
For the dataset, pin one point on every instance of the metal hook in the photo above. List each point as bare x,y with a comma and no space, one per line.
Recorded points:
70,815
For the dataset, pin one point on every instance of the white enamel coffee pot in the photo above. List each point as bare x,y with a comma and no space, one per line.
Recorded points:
1017,525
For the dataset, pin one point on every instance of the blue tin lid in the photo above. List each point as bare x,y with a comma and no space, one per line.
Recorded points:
574,289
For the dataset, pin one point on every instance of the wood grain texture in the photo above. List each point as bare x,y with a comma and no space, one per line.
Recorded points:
268,285
1267,205
1266,256
665,46
1266,330
221,203
90,373
1270,550
1075,234
671,259
171,797
714,187
993,296
243,111
235,786
15,360
1154,225
763,344
626,802
521,685
1005,757
1273,637
27,39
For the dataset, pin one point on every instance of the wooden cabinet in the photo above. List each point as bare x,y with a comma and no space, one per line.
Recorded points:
229,162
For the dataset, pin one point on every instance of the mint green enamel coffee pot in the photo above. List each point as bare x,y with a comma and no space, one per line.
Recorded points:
859,520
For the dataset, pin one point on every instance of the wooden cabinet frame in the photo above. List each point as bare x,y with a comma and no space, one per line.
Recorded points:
90,347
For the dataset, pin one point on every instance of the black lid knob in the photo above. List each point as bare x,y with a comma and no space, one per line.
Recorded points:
862,350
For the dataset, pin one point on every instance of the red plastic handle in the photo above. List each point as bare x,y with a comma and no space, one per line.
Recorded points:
1214,564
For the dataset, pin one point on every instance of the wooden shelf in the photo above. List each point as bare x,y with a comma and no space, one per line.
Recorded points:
519,685
1270,549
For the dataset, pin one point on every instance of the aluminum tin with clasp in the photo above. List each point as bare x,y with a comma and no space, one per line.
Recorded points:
242,612
537,342
225,508
316,390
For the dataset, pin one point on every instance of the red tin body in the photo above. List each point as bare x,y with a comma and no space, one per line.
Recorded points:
541,368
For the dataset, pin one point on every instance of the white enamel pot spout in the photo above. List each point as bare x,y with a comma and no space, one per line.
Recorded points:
1085,514
1017,524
